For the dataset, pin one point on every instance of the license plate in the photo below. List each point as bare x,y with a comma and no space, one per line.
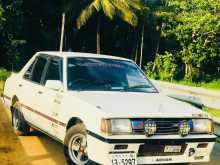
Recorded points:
172,149
123,159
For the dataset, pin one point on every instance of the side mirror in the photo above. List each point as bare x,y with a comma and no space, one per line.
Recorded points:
54,84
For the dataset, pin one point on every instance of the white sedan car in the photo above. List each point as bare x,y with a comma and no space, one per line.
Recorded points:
105,111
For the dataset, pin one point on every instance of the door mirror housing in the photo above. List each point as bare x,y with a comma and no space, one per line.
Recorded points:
54,84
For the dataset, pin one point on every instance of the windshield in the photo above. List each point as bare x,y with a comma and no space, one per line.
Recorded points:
101,74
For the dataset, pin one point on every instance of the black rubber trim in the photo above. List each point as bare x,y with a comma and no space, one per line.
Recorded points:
150,141
121,152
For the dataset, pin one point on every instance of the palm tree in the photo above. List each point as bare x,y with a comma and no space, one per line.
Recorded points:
125,9
144,16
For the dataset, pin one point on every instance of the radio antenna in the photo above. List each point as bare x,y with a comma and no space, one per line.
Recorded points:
62,32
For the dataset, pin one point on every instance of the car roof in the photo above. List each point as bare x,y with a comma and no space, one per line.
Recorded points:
80,54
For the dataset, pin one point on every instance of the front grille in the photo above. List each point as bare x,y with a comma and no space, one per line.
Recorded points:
164,126
158,150
167,126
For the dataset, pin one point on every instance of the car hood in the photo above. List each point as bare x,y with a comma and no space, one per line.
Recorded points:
136,105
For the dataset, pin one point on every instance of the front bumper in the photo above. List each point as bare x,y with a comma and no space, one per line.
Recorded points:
197,148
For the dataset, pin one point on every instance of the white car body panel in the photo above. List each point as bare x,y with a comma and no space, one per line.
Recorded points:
50,111
150,104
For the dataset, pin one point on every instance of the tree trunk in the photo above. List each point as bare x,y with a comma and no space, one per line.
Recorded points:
142,45
158,41
186,69
98,38
158,45
136,54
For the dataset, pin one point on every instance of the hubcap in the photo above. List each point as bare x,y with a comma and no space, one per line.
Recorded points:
77,149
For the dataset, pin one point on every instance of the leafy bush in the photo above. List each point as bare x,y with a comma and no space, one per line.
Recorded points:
214,84
164,67
4,74
149,70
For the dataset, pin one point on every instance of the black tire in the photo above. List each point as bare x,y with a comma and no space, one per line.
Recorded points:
19,124
73,132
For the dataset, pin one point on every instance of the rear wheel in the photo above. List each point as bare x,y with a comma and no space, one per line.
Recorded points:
75,146
19,124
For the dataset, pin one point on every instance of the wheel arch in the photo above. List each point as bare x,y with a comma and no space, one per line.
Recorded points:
73,121
13,101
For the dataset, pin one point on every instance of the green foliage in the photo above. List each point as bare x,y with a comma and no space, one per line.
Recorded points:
164,67
11,39
150,71
1,13
187,28
212,111
124,9
4,74
194,25
213,84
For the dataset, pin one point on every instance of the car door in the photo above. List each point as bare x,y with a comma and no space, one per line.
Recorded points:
29,89
49,99
26,98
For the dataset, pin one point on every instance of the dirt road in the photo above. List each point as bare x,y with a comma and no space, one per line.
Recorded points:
39,149
35,149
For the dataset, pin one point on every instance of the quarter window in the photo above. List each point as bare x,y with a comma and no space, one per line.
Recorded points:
27,74
38,69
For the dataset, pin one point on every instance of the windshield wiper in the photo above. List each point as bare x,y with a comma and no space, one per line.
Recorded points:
138,86
97,84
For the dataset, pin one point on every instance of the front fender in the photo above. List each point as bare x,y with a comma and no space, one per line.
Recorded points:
91,116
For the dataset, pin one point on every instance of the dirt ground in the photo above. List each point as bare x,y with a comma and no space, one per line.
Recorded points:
35,149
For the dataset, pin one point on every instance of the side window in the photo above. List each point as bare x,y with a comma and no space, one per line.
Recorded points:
38,69
27,74
55,70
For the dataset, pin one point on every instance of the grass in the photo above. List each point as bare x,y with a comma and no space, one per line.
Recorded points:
213,112
1,85
215,84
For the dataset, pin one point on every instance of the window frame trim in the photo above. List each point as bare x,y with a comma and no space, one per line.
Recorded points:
47,66
45,56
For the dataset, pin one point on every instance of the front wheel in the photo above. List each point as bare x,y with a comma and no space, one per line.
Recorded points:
75,146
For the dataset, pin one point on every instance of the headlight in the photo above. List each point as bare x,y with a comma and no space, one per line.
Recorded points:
202,126
116,126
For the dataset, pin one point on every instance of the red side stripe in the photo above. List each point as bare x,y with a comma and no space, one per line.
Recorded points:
39,113
45,116
6,97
